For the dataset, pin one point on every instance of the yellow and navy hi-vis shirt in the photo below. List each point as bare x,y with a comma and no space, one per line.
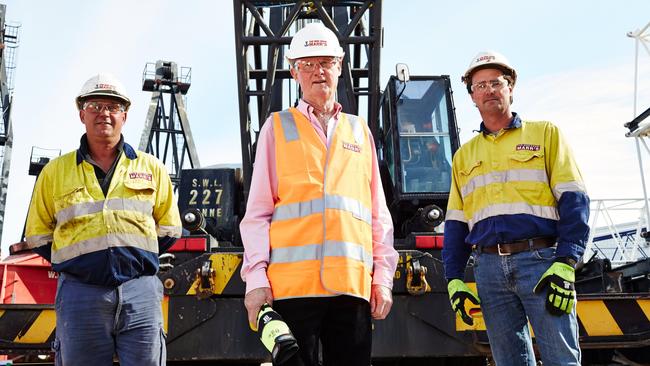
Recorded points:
103,240
519,183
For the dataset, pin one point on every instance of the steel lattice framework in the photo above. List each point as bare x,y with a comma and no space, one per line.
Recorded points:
167,134
9,43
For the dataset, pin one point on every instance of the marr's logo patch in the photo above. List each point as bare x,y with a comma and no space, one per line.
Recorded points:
138,175
527,147
352,147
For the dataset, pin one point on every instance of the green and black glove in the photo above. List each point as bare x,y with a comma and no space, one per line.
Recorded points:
560,296
458,293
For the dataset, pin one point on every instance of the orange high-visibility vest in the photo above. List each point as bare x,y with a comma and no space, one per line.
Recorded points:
321,231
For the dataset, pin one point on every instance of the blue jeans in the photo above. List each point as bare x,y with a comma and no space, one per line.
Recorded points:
505,286
93,323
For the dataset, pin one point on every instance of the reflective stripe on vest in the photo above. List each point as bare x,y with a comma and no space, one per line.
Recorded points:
321,230
330,249
506,176
88,208
103,242
302,209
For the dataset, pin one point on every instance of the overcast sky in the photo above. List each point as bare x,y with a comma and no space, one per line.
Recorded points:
574,61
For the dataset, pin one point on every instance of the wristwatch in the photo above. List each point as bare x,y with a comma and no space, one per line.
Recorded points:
568,260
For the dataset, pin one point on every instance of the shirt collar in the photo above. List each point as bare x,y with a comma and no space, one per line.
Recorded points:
306,109
514,123
83,152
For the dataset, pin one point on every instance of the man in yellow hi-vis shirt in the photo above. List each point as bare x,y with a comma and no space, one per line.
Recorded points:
518,205
100,215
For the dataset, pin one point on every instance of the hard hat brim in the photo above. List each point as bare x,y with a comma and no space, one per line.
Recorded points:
492,65
103,93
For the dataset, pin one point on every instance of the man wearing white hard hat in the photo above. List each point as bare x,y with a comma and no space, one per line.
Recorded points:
100,215
317,234
518,206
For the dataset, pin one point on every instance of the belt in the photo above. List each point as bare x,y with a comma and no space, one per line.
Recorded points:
518,246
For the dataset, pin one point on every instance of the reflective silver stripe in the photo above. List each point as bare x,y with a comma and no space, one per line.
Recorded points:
505,176
171,231
348,250
312,252
357,128
457,215
79,209
104,242
546,212
88,208
568,187
35,241
298,209
356,208
336,202
295,254
145,207
288,126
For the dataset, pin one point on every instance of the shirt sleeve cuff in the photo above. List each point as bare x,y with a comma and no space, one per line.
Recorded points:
256,279
568,249
383,277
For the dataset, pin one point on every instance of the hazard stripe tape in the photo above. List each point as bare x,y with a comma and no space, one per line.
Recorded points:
596,317
596,320
27,326
224,266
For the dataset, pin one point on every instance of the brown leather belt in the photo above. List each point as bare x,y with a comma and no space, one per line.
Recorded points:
518,246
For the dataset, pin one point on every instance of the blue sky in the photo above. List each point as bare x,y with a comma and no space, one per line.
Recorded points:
574,60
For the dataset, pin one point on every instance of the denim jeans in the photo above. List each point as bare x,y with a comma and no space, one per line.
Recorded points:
94,323
505,286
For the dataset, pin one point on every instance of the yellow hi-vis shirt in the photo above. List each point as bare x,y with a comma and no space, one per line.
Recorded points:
526,172
69,209
321,230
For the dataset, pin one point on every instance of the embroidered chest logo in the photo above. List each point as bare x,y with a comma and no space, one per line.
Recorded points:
352,147
527,147
139,175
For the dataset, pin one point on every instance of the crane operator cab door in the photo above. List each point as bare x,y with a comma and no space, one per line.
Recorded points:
418,137
420,134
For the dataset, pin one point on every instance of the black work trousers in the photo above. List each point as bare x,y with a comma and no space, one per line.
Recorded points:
341,323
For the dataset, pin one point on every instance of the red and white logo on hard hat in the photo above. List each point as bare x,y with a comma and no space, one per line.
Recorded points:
316,43
485,58
105,86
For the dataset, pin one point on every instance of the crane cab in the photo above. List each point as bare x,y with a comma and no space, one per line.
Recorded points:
418,137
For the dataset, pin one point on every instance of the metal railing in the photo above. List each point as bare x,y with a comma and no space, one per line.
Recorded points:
618,230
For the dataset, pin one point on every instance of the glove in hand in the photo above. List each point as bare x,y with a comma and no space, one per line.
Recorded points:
458,293
559,280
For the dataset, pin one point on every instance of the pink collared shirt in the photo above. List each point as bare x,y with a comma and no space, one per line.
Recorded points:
263,194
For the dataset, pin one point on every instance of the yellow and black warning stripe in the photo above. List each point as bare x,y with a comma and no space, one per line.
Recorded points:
185,280
600,315
226,268
614,316
27,325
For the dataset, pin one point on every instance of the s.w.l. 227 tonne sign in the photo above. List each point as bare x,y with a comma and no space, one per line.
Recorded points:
213,193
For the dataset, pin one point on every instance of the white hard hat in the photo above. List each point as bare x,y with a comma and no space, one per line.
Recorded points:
486,58
103,85
314,39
